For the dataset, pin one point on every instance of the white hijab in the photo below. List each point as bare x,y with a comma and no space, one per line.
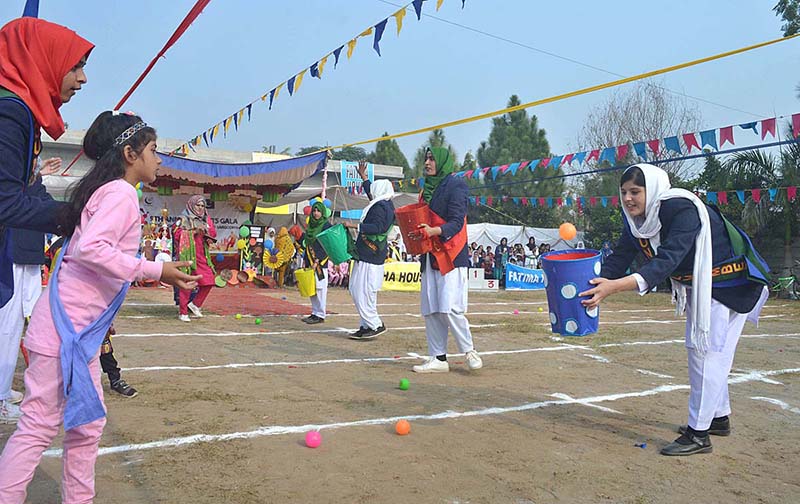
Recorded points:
658,189
381,190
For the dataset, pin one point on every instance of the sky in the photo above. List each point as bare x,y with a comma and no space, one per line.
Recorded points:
435,71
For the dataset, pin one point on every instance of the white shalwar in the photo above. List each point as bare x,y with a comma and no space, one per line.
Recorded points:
320,299
366,280
27,288
708,373
443,301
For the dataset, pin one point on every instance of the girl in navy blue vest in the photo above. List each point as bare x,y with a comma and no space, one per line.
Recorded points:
717,279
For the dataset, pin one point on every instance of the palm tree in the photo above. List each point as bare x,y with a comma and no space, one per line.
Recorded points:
757,169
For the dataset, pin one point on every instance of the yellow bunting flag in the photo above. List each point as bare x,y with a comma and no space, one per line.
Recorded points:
398,16
216,130
321,66
366,32
227,124
350,48
278,90
298,81
264,97
241,115
185,149
439,4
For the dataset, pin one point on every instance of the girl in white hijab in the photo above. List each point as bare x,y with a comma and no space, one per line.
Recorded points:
690,243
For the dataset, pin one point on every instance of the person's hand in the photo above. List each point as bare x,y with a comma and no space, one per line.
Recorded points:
350,225
50,166
603,287
170,274
362,169
425,231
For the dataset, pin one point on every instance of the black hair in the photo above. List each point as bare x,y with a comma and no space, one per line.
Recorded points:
635,174
100,144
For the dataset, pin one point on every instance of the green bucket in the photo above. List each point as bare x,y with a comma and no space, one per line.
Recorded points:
334,241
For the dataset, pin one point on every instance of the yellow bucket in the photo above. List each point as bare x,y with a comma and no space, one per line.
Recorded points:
306,281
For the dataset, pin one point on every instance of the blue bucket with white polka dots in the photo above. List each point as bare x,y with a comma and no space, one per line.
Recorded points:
566,273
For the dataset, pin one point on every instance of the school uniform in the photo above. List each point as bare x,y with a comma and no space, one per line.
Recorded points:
316,252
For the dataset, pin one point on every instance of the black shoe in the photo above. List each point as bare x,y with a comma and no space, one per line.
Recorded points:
357,334
719,427
688,444
369,334
123,389
313,319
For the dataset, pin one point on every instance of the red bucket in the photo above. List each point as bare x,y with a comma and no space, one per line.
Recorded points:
409,218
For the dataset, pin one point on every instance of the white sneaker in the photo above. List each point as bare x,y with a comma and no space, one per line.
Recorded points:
15,398
433,365
9,413
474,360
195,310
184,318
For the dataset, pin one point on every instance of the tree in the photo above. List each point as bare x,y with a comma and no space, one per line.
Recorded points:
436,139
387,152
308,150
516,137
644,112
469,162
789,11
271,149
345,154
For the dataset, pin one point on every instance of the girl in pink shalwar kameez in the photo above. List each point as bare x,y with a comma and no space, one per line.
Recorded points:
99,260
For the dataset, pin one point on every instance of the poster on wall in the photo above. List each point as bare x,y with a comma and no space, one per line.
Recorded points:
227,218
350,176
251,257
518,278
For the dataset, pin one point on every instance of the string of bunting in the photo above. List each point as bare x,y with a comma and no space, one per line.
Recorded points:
315,70
712,197
650,150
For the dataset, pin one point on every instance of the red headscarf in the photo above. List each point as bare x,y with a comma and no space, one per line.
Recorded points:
35,55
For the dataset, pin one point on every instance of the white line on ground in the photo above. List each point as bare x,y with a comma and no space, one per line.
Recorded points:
596,357
276,430
274,333
572,400
653,373
777,402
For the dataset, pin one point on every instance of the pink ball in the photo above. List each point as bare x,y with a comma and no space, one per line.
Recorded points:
313,439
516,312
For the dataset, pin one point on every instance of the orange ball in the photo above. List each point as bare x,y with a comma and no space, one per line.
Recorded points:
402,427
567,231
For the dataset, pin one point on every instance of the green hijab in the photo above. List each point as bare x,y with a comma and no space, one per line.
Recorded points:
444,167
315,225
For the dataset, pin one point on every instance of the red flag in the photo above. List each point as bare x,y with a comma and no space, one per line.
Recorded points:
767,126
615,201
796,125
726,135
469,174
559,202
504,168
524,164
524,201
545,162
722,197
486,170
791,192
622,151
568,158
654,145
578,202
691,141
756,195
542,202
593,201
595,154
489,201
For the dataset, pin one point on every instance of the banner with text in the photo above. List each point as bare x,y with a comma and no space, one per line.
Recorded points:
401,276
518,278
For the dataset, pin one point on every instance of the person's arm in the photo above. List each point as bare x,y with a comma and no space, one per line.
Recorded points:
680,235
456,211
18,207
377,220
212,231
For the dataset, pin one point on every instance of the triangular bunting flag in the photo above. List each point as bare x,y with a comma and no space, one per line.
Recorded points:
604,201
559,202
756,193
750,126
568,159
418,8
641,150
740,195
495,171
274,94
795,125
609,154
595,154
314,70
582,202
524,201
615,201
767,126
711,197
726,135
321,66
549,202
791,192
226,125
489,201
249,110
722,196
378,35
579,157
298,81
215,132
622,151
690,140
398,17
439,4
366,32
593,201
555,162
336,53
772,194
533,164
541,202
545,162
709,138
351,47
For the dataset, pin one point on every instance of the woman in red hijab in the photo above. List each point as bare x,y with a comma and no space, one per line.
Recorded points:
41,68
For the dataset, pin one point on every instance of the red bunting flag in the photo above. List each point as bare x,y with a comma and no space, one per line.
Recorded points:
593,201
622,151
595,154
545,162
486,170
469,174
541,202
796,125
504,168
568,158
691,141
722,197
615,201
791,192
559,202
726,135
489,201
578,202
756,195
655,145
524,201
767,126
524,164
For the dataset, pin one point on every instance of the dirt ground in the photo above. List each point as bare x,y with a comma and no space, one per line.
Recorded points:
546,420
